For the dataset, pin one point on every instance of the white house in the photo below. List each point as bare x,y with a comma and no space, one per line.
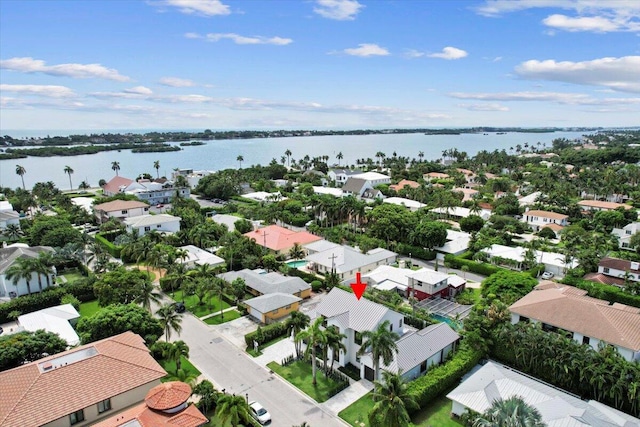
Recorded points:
7,215
263,196
197,256
588,320
120,209
418,351
457,243
335,192
373,178
192,177
460,212
620,269
537,219
340,176
553,262
412,205
146,223
152,192
36,283
624,234
352,317
557,408
346,261
58,320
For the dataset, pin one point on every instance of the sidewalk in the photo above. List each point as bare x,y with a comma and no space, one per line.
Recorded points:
347,396
206,316
276,352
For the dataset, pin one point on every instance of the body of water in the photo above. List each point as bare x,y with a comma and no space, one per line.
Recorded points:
222,154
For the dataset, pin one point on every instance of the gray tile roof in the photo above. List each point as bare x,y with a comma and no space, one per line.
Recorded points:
348,258
9,254
558,408
5,215
353,185
359,315
270,302
417,346
268,283
148,220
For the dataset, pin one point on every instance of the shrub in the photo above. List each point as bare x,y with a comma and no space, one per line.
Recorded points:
266,334
113,250
475,267
70,299
415,251
316,285
598,290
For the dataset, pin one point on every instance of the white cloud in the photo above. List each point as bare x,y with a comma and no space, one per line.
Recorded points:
497,59
199,7
621,74
450,53
50,91
78,71
341,10
238,39
176,82
590,15
484,107
367,49
556,97
412,53
139,90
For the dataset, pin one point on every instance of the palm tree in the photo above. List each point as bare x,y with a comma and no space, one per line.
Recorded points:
240,159
184,377
512,412
218,286
20,170
12,231
69,171
22,268
170,320
296,251
175,352
288,153
148,295
314,337
392,401
381,343
296,323
115,166
232,409
335,344
420,155
156,165
339,156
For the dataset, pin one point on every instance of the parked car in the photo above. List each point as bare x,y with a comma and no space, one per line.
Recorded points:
179,307
259,413
547,275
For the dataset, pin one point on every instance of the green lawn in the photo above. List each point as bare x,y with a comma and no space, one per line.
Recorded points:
299,374
253,353
218,319
437,414
170,366
89,308
199,310
71,275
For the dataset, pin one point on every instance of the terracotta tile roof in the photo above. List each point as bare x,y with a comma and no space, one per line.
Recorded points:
168,395
279,238
619,264
435,175
546,214
554,227
569,308
94,372
113,186
603,205
119,205
404,183
189,417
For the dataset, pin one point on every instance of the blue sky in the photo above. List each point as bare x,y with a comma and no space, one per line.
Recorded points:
341,64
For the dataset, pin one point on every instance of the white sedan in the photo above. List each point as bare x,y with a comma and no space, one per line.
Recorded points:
259,413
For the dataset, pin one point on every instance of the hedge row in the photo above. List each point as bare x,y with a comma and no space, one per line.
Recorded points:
81,289
307,277
606,292
266,334
415,251
443,377
113,250
475,267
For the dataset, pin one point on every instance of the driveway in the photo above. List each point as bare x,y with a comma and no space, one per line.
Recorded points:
229,367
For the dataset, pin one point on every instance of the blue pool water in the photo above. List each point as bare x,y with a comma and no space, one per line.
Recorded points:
445,319
296,264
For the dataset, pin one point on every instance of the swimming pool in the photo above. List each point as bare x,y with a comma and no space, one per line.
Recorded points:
296,264
450,322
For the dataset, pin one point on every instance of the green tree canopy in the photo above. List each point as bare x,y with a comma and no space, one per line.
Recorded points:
471,223
508,286
25,347
430,234
116,319
120,286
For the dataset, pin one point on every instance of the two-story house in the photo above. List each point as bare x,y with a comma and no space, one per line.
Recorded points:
340,176
152,192
625,233
81,386
588,320
426,283
120,209
161,223
618,270
36,283
537,220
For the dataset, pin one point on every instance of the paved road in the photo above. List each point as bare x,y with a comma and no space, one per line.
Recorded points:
229,367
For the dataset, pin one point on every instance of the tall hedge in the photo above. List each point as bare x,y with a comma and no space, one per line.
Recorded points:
443,377
415,251
113,250
476,267
606,292
265,334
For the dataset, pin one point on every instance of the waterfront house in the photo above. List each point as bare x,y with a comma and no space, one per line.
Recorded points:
36,282
340,176
162,223
625,233
588,320
152,192
120,209
80,386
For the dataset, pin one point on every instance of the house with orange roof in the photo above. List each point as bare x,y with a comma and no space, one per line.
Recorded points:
432,176
599,205
165,405
80,386
467,193
153,192
537,219
279,239
589,320
404,183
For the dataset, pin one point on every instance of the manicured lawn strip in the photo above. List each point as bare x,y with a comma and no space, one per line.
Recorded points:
438,413
265,345
357,414
209,307
170,366
228,316
89,308
299,374
72,275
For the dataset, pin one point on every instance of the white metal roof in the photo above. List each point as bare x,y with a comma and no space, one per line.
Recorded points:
53,319
401,201
359,315
148,220
270,302
345,258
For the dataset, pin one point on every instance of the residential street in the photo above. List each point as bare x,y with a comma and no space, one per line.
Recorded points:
229,367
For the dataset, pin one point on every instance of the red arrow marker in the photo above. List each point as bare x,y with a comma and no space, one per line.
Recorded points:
358,287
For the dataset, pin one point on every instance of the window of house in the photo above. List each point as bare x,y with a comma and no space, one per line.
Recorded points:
158,226
400,323
76,417
147,229
357,338
423,366
124,212
287,307
605,270
104,406
585,340
275,311
628,232
391,327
